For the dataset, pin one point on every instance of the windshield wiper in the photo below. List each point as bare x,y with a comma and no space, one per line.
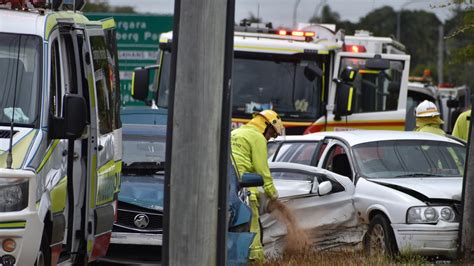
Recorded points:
418,175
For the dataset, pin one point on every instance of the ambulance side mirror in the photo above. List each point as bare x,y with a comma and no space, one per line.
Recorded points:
74,120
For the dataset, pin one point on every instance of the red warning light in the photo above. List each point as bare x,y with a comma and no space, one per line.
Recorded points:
355,48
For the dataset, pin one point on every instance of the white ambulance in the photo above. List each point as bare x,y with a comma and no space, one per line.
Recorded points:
60,133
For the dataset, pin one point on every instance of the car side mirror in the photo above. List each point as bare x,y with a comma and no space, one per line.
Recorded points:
251,180
324,188
377,63
74,120
141,82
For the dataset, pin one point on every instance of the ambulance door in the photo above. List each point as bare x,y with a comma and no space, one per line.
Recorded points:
71,42
109,27
104,179
379,95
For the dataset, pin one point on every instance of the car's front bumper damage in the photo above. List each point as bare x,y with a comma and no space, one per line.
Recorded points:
427,239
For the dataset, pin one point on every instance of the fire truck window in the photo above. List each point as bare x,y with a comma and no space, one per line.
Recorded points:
376,90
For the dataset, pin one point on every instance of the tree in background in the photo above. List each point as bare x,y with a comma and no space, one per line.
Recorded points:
419,32
327,16
252,18
103,6
459,32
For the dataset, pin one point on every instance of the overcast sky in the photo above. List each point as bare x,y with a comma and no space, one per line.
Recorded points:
280,12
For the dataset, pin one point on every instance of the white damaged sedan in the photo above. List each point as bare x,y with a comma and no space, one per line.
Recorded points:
387,190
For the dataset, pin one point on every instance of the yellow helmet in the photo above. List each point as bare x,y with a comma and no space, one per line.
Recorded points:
273,119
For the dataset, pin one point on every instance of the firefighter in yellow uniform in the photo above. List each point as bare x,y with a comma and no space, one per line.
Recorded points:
461,128
249,149
428,118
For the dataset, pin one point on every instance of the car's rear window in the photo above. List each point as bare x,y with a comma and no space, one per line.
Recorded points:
296,152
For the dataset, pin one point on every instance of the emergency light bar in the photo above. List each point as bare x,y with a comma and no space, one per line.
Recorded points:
265,30
354,48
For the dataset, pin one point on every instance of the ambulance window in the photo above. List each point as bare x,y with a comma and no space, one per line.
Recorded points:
112,55
102,74
55,85
70,65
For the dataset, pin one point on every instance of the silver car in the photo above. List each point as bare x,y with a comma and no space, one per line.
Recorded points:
380,190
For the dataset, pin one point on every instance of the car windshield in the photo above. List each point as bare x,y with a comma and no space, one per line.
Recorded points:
410,158
20,78
143,149
291,87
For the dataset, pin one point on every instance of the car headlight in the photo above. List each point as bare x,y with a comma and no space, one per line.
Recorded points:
13,194
430,214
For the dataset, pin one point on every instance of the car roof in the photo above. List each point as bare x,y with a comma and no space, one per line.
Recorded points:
363,136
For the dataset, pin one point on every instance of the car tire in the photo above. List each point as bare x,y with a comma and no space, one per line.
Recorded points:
380,238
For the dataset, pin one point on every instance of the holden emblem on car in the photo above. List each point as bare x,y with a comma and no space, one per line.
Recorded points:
141,220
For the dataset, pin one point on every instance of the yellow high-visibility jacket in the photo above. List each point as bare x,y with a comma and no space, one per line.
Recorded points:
431,129
429,124
249,149
461,128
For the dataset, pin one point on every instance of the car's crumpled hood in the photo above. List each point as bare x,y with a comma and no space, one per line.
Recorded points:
433,188
146,191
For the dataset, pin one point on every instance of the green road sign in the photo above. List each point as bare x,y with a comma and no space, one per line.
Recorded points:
137,41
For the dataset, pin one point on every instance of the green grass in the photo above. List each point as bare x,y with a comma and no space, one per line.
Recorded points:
339,258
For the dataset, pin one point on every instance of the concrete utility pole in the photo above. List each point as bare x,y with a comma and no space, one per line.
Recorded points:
198,133
466,229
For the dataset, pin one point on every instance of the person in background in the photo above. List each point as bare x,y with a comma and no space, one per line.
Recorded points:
428,118
249,152
461,128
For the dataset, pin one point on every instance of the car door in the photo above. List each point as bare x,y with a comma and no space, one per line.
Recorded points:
329,219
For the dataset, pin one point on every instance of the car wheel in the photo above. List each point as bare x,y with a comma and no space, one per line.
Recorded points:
379,238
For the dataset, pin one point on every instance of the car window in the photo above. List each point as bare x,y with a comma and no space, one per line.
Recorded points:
297,152
308,177
271,149
408,158
296,176
337,161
